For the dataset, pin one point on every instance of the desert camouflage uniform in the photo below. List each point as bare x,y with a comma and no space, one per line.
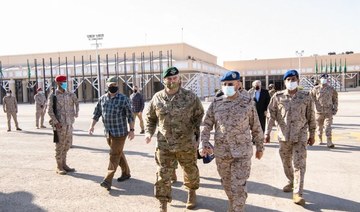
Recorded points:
236,122
272,92
10,108
40,104
295,117
326,105
178,118
67,109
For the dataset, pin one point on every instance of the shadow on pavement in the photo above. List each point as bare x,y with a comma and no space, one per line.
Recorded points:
18,201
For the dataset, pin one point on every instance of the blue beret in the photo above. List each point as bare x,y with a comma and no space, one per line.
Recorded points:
170,72
230,75
324,76
290,73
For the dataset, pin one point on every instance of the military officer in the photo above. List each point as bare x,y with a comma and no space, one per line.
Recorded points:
40,104
293,111
236,126
272,90
11,109
326,106
178,113
63,118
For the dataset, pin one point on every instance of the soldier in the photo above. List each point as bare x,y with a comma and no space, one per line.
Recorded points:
178,113
40,104
233,147
115,110
293,111
137,106
326,106
11,109
272,90
63,118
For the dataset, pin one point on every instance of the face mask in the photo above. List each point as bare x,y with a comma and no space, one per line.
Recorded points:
172,85
257,88
135,91
291,85
113,89
323,81
228,91
8,94
64,85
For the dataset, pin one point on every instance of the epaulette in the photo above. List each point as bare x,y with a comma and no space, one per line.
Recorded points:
218,98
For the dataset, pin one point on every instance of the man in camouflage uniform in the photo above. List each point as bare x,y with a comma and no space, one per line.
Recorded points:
40,104
11,109
293,110
67,109
236,126
178,113
326,106
272,90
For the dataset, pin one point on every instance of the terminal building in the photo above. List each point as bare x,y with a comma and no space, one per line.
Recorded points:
87,70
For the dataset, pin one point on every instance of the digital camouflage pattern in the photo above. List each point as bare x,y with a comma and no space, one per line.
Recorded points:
40,105
10,108
177,118
236,125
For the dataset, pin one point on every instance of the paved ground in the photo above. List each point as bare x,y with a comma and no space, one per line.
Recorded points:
28,181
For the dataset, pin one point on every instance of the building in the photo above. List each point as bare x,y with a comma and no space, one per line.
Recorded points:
87,73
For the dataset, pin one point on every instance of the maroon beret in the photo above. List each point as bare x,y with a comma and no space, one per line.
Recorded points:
60,78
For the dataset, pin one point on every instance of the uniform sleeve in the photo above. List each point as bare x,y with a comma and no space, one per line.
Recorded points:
51,111
197,115
256,131
15,103
310,116
129,113
208,123
272,114
335,101
150,119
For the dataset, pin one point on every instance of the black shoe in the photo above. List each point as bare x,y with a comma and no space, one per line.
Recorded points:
123,178
142,132
8,130
105,185
18,129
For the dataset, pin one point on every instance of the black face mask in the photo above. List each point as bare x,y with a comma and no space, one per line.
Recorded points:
113,89
135,91
257,88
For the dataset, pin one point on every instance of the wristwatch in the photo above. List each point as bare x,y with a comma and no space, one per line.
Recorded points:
132,130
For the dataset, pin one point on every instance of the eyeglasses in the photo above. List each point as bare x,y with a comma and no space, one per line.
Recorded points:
228,84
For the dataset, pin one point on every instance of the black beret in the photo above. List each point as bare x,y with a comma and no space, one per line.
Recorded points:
170,72
290,73
230,75
324,76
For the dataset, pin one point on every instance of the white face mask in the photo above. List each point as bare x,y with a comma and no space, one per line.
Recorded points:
323,81
228,91
291,85
8,94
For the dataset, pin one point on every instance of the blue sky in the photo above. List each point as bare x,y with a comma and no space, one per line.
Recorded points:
228,29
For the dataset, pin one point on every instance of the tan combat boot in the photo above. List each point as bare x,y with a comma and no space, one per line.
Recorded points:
68,169
163,206
191,202
297,198
60,170
173,177
288,188
330,143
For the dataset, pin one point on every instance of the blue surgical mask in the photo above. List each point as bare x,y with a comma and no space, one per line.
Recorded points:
323,81
64,85
228,91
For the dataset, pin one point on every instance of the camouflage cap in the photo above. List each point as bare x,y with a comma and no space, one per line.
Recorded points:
171,71
111,80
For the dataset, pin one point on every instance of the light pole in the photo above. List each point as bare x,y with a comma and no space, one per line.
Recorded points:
300,54
96,38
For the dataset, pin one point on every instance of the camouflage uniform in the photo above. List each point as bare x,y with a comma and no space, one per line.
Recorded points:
40,104
10,108
295,117
236,125
178,118
67,109
326,105
272,92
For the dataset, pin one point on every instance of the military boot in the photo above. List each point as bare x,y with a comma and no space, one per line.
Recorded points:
60,170
173,177
163,206
66,167
330,143
288,187
191,202
297,198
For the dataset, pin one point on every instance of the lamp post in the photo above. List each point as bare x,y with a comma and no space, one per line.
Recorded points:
96,38
300,54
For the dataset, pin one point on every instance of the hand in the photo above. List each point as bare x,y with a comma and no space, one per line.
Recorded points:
267,139
311,141
147,139
91,130
259,154
58,126
131,135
